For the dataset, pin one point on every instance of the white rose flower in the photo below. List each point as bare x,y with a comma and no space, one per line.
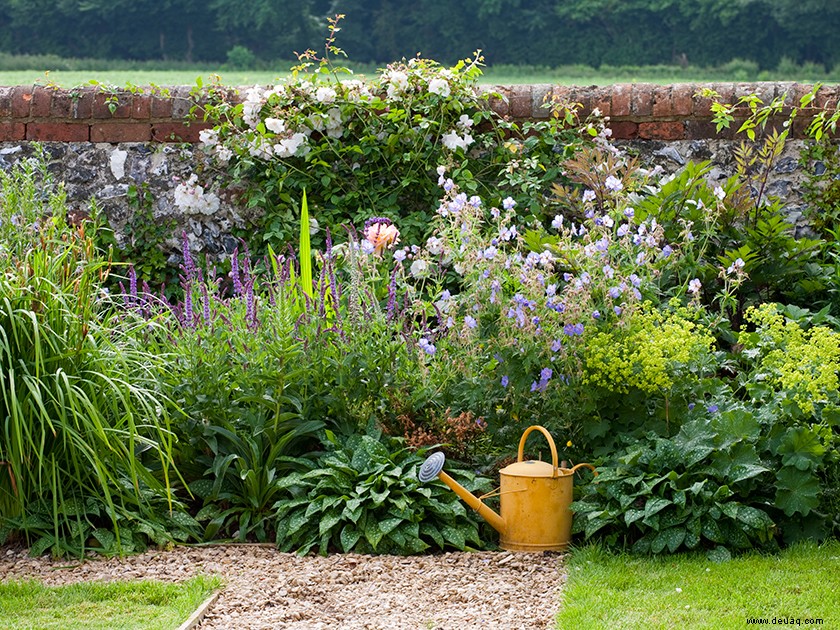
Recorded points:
439,86
325,95
275,125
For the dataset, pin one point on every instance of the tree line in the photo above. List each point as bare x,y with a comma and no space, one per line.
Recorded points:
535,32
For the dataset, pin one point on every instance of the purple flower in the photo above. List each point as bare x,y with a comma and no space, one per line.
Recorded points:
629,212
667,251
556,345
690,406
470,321
545,374
508,203
614,292
635,280
712,408
617,310
596,314
505,381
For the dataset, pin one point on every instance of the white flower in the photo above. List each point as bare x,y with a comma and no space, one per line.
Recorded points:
287,147
419,268
439,86
613,183
434,245
465,122
192,199
275,125
325,94
720,193
694,286
223,154
557,223
589,195
210,137
397,82
453,141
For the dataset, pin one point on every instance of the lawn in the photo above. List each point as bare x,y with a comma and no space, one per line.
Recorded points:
504,75
145,605
619,591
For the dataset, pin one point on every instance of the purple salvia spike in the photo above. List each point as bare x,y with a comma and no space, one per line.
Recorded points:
188,307
234,272
250,306
392,294
126,297
205,304
189,266
322,283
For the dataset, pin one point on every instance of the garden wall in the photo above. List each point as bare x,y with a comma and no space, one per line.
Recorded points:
101,142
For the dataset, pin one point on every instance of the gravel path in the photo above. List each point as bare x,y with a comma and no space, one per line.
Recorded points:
266,589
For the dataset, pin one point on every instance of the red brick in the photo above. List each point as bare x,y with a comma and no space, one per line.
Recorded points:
624,130
21,100
178,132
499,104
621,99
6,102
662,130
662,103
826,97
58,132
103,102
641,104
161,107
41,99
61,105
141,106
520,101
12,131
121,132
601,100
682,99
82,107
585,97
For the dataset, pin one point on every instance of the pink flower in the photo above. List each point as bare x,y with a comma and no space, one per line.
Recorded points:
381,233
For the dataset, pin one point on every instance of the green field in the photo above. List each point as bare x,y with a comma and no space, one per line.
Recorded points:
492,76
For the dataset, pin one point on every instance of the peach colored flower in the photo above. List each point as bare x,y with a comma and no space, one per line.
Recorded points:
381,233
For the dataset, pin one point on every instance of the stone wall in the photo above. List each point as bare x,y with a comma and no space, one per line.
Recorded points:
101,143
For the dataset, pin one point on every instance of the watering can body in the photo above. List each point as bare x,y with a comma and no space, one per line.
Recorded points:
534,498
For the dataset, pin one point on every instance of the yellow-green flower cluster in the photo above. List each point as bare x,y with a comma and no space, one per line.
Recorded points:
804,362
647,354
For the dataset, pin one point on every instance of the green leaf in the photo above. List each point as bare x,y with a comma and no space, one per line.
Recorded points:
350,535
797,491
305,249
453,536
328,521
389,524
719,554
655,505
372,533
428,529
801,447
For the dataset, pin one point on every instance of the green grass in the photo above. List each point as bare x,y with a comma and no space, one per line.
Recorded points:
503,75
689,591
145,605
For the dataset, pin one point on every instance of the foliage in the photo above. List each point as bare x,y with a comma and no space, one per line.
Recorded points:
363,495
84,422
738,473
362,148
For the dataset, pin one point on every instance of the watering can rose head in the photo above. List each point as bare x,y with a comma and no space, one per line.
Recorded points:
381,233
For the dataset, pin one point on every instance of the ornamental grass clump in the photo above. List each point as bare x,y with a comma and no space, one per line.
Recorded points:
86,442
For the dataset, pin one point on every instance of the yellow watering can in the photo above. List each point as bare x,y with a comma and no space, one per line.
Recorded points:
534,499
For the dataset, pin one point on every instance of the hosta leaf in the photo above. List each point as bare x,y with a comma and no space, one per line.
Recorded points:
328,521
655,505
314,506
631,516
106,538
428,529
719,554
797,492
41,545
453,536
201,488
72,507
389,524
711,530
349,537
296,522
372,533
207,512
755,518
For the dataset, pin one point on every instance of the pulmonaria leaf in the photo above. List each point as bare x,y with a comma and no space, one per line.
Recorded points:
797,491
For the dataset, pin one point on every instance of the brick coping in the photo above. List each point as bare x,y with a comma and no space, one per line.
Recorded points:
636,110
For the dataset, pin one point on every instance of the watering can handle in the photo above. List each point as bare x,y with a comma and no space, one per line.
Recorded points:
589,466
548,438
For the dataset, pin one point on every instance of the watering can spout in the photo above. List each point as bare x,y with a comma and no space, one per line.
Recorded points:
433,467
